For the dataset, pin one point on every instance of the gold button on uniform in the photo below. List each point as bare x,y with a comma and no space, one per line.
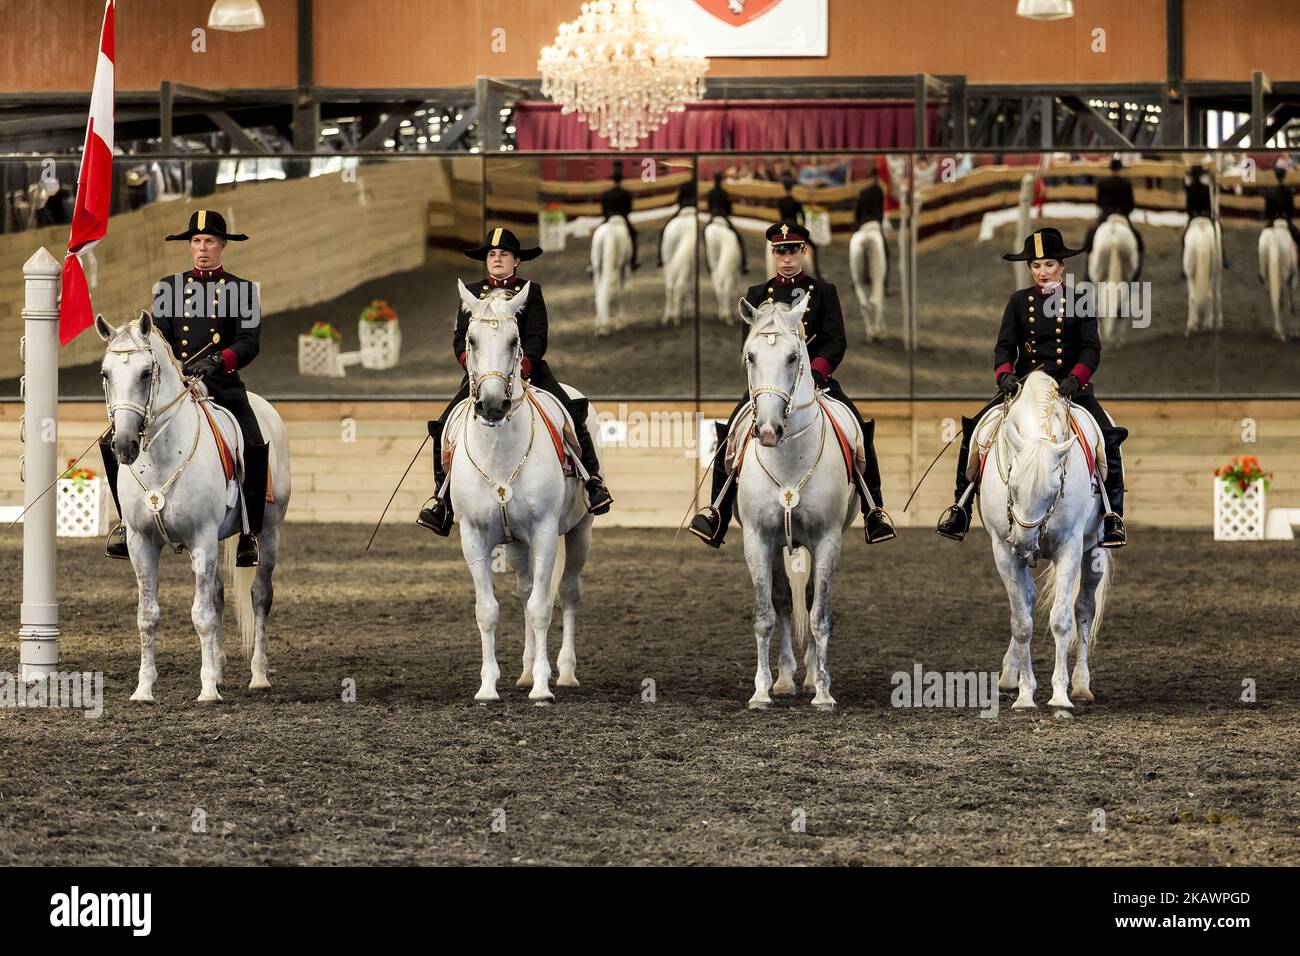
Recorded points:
1031,298
1031,320
769,288
185,355
185,341
1058,351
185,328
1059,362
216,338
1031,308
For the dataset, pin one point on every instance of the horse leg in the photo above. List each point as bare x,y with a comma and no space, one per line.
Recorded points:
1009,679
783,604
760,558
577,543
545,542
144,559
1062,624
219,601
263,595
1093,571
827,557
1019,581
517,551
478,555
203,561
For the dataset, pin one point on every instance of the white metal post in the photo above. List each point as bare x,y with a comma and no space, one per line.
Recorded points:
38,632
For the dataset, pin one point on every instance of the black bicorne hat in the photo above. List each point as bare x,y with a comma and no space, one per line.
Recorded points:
786,233
207,222
1042,244
502,239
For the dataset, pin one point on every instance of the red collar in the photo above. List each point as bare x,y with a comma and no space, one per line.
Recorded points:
208,273
782,280
501,283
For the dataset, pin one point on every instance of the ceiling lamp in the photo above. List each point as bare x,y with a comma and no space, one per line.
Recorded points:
1045,9
622,68
236,16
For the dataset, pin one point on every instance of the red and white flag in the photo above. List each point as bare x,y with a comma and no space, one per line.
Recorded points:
94,190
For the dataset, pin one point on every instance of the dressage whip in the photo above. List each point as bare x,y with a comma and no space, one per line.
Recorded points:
395,490
700,484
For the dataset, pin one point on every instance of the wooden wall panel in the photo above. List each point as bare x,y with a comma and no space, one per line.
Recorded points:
1226,41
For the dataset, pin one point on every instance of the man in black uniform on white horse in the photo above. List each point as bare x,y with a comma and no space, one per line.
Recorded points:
207,309
502,253
823,324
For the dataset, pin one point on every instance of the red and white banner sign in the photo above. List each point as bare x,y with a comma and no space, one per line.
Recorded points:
752,27
94,191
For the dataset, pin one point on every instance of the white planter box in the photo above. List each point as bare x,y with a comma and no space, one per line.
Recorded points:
80,512
819,227
319,357
381,343
551,235
1238,517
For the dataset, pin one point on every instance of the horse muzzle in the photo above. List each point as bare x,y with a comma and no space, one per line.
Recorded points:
489,412
126,448
769,435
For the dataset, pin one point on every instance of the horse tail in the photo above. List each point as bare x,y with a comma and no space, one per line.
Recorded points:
242,581
1275,273
798,570
1202,281
557,572
1045,585
1107,557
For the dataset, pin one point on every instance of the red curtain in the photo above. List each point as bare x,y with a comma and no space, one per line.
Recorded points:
743,126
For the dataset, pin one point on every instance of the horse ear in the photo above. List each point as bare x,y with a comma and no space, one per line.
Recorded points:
146,324
467,298
797,312
520,298
102,327
747,311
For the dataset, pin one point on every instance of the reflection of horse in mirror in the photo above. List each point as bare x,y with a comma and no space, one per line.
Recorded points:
867,266
1037,500
1112,262
1277,270
722,249
180,493
611,257
1203,264
678,251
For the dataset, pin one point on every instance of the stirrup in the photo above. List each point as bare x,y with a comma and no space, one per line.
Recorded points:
952,512
711,532
115,546
437,519
1123,533
889,524
598,505
245,559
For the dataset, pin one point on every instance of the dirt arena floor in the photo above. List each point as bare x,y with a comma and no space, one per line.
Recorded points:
962,289
415,772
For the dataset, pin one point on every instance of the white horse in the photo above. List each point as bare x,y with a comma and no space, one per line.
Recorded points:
1112,262
173,491
679,265
1203,264
791,509
1278,269
723,249
508,486
611,257
1037,500
867,265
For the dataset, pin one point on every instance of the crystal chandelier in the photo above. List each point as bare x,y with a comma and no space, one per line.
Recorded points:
622,69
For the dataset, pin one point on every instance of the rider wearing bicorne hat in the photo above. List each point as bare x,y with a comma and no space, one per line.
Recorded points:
823,324
212,320
501,252
1042,329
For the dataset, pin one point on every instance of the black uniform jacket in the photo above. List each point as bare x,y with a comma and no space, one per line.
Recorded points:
531,318
1047,331
823,323
224,309
1115,194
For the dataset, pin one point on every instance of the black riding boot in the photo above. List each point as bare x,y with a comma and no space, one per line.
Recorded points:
1113,534
710,523
879,527
744,256
436,514
634,264
116,546
598,497
955,522
254,487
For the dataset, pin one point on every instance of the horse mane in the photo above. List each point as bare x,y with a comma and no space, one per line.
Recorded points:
487,305
160,344
771,313
1036,413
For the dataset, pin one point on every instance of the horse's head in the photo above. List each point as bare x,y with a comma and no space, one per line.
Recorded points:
492,349
776,362
1037,434
137,365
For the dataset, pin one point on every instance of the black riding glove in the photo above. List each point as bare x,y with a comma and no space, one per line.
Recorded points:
820,380
208,365
1007,383
1068,387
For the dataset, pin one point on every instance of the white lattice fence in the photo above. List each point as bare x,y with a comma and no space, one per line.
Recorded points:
317,356
80,512
819,227
551,232
1238,517
381,343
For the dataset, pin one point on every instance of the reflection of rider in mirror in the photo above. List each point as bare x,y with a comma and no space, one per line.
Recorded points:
617,201
823,324
1115,196
720,208
501,252
1043,330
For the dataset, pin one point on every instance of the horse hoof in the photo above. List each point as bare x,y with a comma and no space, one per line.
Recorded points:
487,696
259,683
213,698
543,701
759,704
1023,704
785,687
143,697
525,680
567,681
826,706
1062,713
1081,694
